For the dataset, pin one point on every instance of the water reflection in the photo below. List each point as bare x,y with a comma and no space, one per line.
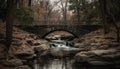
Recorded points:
65,64
56,64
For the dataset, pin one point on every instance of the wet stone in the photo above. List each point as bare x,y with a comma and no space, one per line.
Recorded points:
99,63
96,44
13,62
26,53
23,67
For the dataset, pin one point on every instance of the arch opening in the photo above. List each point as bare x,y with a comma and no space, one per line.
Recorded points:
63,34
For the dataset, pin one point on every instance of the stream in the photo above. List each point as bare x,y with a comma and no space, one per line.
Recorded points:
59,48
56,64
66,64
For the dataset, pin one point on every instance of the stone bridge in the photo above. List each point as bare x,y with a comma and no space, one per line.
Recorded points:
76,30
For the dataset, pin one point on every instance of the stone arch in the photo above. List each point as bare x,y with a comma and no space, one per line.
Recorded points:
60,30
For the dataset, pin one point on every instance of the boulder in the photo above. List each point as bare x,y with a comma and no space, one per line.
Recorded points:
103,47
33,36
42,50
99,63
13,62
96,44
42,47
30,42
16,42
36,42
84,56
87,43
98,57
44,54
89,54
77,40
104,52
79,45
25,53
112,56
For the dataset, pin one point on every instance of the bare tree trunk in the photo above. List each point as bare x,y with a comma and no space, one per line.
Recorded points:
64,11
117,28
9,23
78,12
105,10
114,20
21,3
29,3
104,15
